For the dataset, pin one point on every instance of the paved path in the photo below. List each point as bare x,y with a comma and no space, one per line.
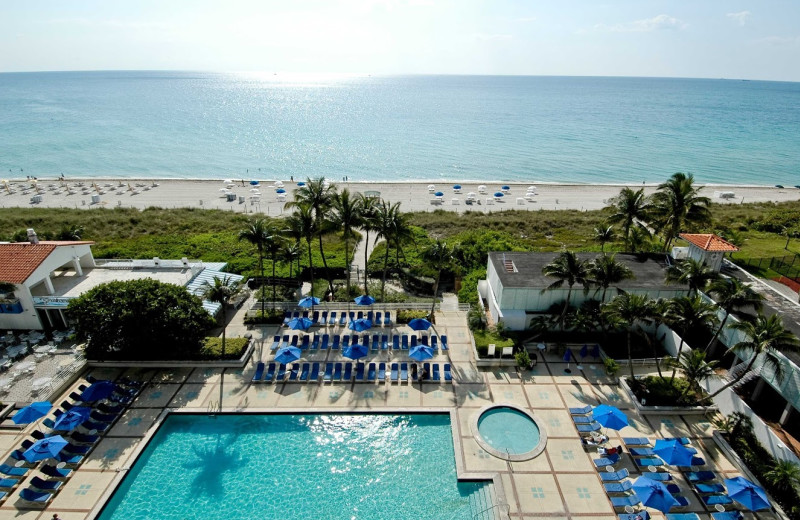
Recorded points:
357,265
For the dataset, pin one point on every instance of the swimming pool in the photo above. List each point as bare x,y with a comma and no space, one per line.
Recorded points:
237,466
508,432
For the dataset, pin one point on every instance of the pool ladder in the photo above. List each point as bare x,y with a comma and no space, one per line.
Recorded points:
480,514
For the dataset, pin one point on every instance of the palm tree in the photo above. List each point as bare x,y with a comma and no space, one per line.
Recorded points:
659,315
302,224
387,221
257,232
630,310
7,287
695,369
273,244
783,475
631,210
605,271
221,291
292,253
732,295
318,194
567,268
694,273
678,203
368,209
766,337
438,256
687,314
604,236
346,216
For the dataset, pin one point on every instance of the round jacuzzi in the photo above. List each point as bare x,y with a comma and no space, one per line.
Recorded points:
508,432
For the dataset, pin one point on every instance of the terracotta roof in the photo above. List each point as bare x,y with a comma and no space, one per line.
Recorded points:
67,242
709,242
19,260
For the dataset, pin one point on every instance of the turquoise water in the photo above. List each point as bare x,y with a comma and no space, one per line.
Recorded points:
390,128
508,430
230,467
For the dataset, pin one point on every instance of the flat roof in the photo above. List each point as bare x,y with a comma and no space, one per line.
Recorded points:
648,269
68,284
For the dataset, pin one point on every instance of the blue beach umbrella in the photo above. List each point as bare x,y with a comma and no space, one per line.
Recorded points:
505,187
364,299
301,184
568,355
308,301
420,353
253,183
438,194
498,194
584,351
32,412
419,324
673,452
654,494
610,417
300,323
97,391
280,190
288,354
456,186
746,493
45,448
72,418
356,351
360,325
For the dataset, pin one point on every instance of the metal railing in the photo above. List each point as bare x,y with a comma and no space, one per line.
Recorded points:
481,513
340,306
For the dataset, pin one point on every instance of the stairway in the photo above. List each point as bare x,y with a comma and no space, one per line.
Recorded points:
483,504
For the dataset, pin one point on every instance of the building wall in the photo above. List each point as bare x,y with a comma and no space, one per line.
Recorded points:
27,319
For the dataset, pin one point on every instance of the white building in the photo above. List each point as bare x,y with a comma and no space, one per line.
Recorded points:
707,248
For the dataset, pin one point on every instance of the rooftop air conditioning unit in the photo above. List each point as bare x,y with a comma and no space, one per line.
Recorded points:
185,261
156,261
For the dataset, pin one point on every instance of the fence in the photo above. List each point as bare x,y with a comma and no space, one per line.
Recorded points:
788,265
338,306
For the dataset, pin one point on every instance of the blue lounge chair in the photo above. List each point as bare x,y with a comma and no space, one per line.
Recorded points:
36,497
698,461
713,500
372,372
395,342
700,476
259,372
305,314
345,341
294,372
652,461
324,344
323,318
19,457
404,342
82,438
359,316
294,341
305,343
673,489
387,320
661,476
393,376
77,450
336,341
304,372
382,372
285,341
682,501
581,410
8,482
348,372
642,452
434,343
337,372
378,319
276,342
424,340
270,373
68,458
426,367
315,343
332,319
448,377
281,373
45,485
444,342
707,489
384,342
614,476
360,372
582,419
620,502
683,440
413,341
91,425
328,375
314,373
588,428
342,319
636,441
683,516
606,461
365,340
403,372
728,515
315,318
287,317
370,316
376,342
11,471
618,487
103,417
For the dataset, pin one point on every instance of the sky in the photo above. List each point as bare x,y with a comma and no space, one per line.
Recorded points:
678,38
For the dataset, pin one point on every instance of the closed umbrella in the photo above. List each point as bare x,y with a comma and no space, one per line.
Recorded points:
288,354
751,496
72,418
97,391
584,351
300,323
567,357
364,299
45,448
654,494
419,324
610,416
360,325
420,353
673,452
356,351
308,301
32,412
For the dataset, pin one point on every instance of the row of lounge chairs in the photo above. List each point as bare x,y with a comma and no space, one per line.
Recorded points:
374,342
325,318
349,372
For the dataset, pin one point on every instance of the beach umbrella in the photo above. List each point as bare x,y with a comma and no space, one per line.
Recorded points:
288,354
300,323
419,324
280,190
364,299
673,452
301,184
746,493
610,416
45,448
227,181
360,325
308,301
72,418
97,391
431,187
568,357
253,183
498,194
654,494
438,194
255,190
420,353
584,351
456,186
505,187
32,412
356,351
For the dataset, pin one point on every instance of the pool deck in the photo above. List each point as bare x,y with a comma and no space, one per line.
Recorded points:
562,482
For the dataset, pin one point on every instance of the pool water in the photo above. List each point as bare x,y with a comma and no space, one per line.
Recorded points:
297,466
508,430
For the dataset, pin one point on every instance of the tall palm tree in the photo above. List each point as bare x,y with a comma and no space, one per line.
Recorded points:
221,291
319,195
783,475
273,245
604,235
676,204
695,369
388,220
732,295
766,337
439,257
567,268
659,315
687,314
346,216
631,310
605,271
631,210
292,252
368,210
257,232
694,273
301,223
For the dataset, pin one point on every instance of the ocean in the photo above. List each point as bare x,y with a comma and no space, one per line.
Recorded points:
397,128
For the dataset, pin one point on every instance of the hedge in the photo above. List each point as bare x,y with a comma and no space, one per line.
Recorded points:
234,348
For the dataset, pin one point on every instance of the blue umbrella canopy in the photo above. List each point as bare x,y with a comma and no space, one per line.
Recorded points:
97,391
420,353
584,350
456,186
654,494
300,323
505,187
364,299
287,354
568,355
32,412
673,452
308,301
356,351
360,325
45,448
419,324
280,190
610,417
253,183
438,194
72,418
301,184
746,493
498,194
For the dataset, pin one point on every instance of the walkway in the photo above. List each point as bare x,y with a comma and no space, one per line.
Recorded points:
358,267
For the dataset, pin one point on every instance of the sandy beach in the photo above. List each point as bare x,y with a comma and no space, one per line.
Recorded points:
241,197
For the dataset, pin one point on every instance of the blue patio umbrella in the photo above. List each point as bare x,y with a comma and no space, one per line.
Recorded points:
420,353
456,186
97,391
568,355
32,412
72,418
673,452
746,493
584,351
45,448
610,417
364,299
308,301
360,325
356,351
300,323
419,324
280,190
253,183
301,184
654,494
439,194
287,354
498,194
505,187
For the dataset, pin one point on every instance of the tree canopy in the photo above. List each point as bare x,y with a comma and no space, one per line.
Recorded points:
139,320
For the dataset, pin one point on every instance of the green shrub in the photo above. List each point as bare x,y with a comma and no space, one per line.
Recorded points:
234,348
523,359
404,316
611,365
484,337
270,316
659,392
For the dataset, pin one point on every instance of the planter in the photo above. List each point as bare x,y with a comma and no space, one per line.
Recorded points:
193,363
665,410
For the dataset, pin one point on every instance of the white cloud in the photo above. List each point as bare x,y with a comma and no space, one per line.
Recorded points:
740,17
492,37
657,23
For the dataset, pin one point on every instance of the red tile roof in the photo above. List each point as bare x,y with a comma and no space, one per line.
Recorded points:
709,242
19,260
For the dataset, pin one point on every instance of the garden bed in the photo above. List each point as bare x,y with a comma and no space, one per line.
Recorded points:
659,403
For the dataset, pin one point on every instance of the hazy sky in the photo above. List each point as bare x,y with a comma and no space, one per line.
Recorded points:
687,38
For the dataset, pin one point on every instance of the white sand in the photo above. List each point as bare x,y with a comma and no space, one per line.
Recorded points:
206,194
